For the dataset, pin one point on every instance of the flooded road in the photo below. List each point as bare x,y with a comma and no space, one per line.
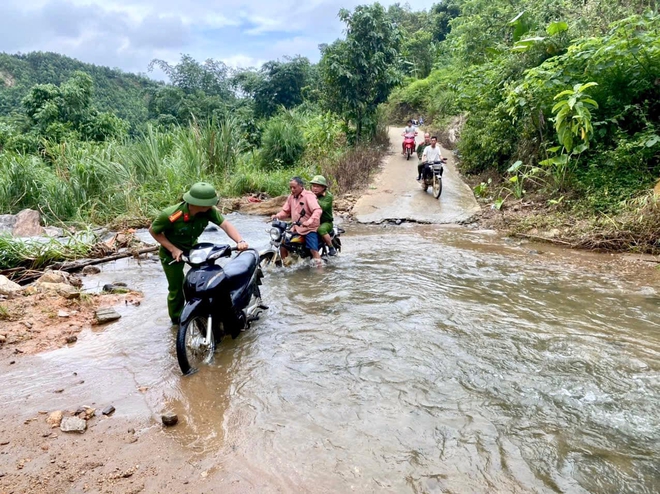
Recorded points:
422,359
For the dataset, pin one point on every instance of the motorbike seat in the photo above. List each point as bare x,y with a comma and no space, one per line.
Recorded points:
240,269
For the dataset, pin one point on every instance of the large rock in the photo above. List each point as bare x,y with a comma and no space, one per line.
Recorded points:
8,287
66,291
265,208
28,224
106,315
54,277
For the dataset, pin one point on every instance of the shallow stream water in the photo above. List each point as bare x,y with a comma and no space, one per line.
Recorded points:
422,359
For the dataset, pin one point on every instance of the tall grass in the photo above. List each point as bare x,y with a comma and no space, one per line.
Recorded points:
130,182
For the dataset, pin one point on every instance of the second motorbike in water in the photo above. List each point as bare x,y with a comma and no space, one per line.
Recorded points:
282,236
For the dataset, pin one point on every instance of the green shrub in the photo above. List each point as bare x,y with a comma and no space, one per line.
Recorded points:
282,143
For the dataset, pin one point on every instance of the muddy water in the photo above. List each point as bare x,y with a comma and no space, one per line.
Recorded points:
420,360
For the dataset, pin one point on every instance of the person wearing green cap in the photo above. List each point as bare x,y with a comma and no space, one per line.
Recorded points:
324,197
177,228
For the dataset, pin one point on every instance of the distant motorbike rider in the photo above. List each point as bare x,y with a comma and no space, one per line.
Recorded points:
176,229
304,210
431,154
422,146
408,130
319,186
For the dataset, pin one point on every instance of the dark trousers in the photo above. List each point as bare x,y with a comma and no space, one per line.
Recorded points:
424,170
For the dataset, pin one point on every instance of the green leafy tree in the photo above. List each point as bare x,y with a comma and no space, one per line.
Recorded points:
66,112
282,85
359,72
441,16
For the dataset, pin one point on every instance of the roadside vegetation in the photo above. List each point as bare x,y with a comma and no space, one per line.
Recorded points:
553,109
107,148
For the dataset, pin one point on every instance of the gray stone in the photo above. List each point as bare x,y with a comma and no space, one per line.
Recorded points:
73,424
8,287
53,231
28,224
109,410
62,313
91,270
114,288
169,418
106,315
7,222
71,339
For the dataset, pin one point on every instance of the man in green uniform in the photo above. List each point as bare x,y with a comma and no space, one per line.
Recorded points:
177,228
324,197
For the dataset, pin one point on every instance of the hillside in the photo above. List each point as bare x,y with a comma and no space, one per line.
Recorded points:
121,93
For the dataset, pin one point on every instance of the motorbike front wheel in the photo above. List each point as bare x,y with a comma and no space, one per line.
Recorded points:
192,349
437,186
270,259
408,153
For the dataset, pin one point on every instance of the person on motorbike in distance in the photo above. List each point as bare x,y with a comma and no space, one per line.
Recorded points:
303,208
408,130
422,146
176,229
319,186
431,154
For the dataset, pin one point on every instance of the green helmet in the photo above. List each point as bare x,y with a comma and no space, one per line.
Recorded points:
201,194
319,180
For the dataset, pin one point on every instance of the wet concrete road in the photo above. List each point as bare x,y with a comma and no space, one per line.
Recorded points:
397,195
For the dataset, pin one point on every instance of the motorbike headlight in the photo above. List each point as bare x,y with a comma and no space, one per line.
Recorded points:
275,234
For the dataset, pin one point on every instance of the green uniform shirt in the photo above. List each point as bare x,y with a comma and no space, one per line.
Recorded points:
326,206
181,228
420,149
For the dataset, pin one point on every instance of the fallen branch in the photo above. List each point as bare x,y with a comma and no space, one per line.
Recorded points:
76,265
24,275
545,239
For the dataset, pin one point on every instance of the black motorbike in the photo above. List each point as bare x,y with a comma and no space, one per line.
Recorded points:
220,300
282,236
432,177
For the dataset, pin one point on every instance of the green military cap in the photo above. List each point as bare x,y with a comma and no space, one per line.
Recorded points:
201,194
319,180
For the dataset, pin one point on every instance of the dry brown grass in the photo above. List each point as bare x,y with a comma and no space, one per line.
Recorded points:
354,169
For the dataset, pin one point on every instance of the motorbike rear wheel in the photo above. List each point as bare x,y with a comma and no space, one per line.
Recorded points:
336,243
191,348
437,186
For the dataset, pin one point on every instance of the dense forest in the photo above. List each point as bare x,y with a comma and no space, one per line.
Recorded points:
554,102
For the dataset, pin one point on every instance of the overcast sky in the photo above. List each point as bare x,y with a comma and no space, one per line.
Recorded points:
129,33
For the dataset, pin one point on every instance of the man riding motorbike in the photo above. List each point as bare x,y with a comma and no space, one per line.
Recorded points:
422,146
304,210
319,186
408,130
176,229
431,154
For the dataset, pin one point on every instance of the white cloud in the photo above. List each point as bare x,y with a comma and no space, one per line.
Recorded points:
129,33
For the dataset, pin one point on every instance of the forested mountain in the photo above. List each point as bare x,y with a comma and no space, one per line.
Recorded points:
118,92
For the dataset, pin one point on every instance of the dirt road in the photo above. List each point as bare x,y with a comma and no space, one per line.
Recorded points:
396,195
